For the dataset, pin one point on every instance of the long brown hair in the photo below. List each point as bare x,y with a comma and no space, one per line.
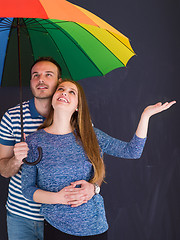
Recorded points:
81,122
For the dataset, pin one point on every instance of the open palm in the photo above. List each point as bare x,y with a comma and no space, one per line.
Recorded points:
157,108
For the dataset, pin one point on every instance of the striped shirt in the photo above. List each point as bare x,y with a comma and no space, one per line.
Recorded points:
10,134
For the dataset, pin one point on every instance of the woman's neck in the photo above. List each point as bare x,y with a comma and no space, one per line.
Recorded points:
61,124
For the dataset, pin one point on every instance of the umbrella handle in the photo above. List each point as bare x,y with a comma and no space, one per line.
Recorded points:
37,161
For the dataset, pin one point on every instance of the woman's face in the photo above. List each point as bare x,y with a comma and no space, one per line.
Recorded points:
66,97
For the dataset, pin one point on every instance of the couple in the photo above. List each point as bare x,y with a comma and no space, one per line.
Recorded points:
72,150
23,218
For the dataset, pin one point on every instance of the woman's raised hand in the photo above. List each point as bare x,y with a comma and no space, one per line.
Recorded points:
147,113
157,108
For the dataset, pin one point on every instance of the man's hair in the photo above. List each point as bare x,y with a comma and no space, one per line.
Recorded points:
49,59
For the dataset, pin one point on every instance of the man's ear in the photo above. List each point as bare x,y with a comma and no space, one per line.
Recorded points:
60,80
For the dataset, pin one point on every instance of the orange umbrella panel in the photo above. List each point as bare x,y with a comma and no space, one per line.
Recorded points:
46,9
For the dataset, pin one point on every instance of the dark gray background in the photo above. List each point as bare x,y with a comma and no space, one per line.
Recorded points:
142,197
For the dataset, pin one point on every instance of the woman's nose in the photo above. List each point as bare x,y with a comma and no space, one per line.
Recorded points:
64,93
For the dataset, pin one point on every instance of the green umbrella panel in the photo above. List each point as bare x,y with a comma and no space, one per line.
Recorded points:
81,50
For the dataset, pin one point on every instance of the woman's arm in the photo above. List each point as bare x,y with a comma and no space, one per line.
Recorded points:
134,148
69,195
149,111
33,193
46,197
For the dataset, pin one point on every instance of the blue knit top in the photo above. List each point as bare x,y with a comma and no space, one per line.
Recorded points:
64,161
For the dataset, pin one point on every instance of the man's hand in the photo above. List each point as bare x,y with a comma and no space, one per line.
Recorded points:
77,196
69,195
11,158
20,151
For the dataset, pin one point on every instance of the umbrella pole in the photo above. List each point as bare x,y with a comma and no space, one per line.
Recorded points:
20,80
20,94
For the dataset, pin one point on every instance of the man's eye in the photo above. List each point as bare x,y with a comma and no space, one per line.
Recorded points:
35,75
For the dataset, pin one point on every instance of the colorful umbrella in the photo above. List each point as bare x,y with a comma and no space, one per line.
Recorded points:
83,44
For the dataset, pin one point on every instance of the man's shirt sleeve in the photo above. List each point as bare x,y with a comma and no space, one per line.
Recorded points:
6,131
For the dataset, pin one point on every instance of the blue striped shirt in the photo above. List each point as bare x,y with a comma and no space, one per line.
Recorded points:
10,134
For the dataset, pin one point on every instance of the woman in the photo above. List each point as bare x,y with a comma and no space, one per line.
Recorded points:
72,150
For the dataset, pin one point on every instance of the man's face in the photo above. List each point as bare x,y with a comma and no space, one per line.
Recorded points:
44,79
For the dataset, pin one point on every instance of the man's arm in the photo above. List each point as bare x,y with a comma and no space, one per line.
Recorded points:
11,158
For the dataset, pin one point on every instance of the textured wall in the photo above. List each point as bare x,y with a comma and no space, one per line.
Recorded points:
142,196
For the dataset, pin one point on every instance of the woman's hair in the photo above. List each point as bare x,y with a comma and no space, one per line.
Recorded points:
81,122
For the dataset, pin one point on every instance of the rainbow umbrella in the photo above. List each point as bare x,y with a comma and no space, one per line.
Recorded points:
83,44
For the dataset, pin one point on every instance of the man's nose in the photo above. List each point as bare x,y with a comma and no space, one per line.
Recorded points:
41,79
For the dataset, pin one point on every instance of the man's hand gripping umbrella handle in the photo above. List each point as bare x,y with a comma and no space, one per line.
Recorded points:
39,151
37,161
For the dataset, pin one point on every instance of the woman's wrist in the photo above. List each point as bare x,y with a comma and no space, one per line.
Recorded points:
145,116
57,198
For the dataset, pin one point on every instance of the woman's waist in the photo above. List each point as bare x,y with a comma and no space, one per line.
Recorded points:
85,217
91,208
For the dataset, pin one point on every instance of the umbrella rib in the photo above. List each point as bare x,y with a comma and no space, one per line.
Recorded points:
31,20
5,20
29,40
120,41
60,53
5,57
5,24
37,30
8,20
28,21
80,48
4,29
101,44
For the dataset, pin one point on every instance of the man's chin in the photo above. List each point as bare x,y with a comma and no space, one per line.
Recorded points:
41,97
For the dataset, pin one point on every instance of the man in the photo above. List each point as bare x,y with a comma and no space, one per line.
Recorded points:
23,218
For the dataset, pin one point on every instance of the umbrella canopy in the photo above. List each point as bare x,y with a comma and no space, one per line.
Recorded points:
83,44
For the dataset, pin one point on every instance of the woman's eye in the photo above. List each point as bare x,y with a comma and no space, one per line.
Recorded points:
72,92
60,89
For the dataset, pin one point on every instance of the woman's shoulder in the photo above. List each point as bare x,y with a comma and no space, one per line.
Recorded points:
35,135
99,133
